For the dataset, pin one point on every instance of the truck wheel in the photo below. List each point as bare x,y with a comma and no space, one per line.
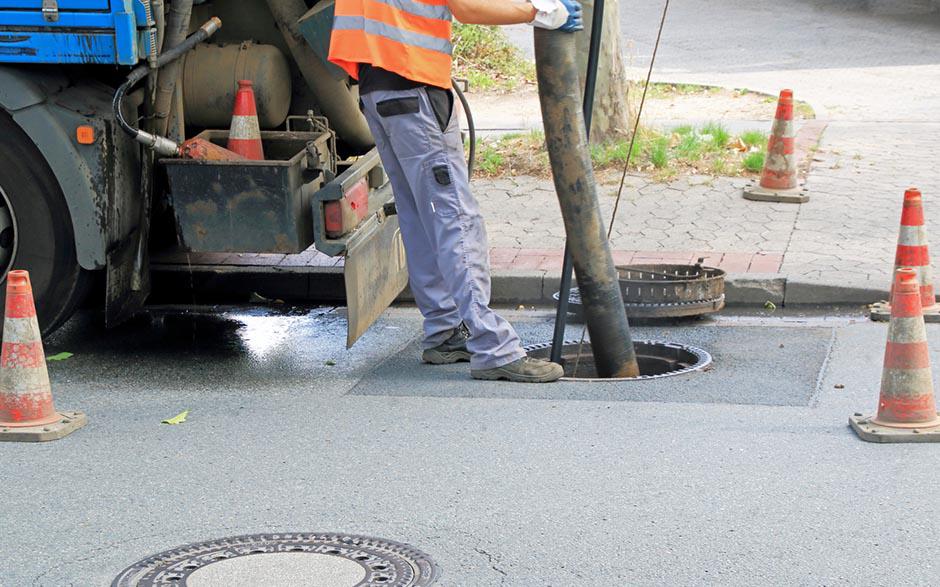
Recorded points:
36,230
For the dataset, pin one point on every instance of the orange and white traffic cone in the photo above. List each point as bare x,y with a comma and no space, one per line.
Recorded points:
913,251
778,180
244,137
907,410
27,413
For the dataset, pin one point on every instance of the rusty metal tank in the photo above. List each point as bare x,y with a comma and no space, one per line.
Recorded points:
210,80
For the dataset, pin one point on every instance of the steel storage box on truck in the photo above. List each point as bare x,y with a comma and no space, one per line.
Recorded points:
97,99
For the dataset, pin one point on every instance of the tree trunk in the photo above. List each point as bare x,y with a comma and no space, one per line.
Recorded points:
613,118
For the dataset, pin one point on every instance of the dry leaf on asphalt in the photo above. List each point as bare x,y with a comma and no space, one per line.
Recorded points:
177,419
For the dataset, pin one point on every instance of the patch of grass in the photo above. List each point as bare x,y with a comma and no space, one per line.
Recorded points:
709,150
485,57
489,159
661,91
754,139
718,135
753,162
659,152
690,147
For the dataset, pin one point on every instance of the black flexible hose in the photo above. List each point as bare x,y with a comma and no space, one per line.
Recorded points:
141,71
590,87
472,156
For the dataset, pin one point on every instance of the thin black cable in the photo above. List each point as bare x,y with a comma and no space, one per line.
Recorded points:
472,156
567,268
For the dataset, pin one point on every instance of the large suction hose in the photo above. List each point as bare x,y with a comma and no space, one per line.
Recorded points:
177,26
332,95
556,63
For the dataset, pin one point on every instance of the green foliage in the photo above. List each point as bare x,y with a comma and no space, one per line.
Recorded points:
754,139
719,135
484,56
608,154
690,147
754,162
659,152
489,159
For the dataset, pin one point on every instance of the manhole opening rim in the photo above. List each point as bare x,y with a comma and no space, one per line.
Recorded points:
425,571
703,360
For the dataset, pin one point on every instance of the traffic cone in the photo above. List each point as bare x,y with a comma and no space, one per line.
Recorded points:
244,137
27,413
778,180
913,251
907,411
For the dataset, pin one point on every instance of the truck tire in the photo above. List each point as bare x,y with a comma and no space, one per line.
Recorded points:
36,230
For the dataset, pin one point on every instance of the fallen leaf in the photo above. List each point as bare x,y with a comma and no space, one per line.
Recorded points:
60,357
177,419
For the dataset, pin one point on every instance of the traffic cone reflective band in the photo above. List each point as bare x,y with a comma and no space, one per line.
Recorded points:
907,410
913,251
244,137
778,180
26,409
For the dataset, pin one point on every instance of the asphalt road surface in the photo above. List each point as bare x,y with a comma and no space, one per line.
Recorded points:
852,59
713,478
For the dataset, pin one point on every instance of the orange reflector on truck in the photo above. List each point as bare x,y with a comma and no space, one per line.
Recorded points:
85,135
345,214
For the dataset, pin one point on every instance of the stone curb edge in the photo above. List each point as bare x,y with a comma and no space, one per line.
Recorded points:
744,289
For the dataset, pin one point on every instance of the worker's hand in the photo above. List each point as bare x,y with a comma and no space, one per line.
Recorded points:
562,15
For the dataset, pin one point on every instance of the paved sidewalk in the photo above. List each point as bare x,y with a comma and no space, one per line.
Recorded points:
869,74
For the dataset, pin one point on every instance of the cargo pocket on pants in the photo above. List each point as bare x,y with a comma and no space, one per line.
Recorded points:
442,192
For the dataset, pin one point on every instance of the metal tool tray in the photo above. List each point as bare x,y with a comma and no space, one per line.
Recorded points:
250,206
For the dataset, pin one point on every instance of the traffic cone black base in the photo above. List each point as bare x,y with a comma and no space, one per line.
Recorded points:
69,423
868,431
881,312
795,196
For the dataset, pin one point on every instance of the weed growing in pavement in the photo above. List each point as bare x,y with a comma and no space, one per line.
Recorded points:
754,162
484,56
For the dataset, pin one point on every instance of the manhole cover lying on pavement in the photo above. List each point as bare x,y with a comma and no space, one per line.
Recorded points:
312,560
664,291
656,359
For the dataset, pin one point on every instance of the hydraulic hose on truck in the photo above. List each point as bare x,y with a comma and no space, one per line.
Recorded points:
556,64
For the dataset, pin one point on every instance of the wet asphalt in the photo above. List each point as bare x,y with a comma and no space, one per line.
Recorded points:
713,477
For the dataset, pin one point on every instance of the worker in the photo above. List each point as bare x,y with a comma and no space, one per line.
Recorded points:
400,51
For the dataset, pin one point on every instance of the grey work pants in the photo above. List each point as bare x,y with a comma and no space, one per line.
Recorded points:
442,228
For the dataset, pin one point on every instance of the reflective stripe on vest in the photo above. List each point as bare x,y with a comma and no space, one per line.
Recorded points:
409,37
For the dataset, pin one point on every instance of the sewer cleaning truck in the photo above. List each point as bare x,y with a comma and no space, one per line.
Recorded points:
101,103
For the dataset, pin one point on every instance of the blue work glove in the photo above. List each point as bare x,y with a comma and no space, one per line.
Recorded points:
574,23
561,15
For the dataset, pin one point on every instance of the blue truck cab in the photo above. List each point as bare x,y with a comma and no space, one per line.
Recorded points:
75,31
87,207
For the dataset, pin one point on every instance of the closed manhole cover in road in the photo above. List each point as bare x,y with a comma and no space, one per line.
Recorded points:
285,560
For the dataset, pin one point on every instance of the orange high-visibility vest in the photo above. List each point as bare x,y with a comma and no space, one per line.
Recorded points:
409,37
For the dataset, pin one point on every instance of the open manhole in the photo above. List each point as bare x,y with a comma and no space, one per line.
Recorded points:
656,359
665,291
272,560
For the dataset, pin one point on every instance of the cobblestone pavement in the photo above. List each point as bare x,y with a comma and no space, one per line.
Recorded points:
865,69
846,233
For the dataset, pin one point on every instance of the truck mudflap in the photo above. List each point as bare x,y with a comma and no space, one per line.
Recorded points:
376,271
375,274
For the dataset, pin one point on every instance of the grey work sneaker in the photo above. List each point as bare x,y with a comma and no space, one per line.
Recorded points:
452,350
525,370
